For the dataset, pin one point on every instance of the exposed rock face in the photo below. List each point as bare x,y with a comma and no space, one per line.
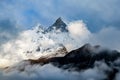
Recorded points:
58,26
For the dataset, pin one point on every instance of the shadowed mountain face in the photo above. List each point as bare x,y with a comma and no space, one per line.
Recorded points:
86,56
58,26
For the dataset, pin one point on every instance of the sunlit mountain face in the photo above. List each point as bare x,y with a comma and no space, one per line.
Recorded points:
63,51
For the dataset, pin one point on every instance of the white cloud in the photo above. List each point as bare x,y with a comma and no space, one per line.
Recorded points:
48,72
78,29
107,37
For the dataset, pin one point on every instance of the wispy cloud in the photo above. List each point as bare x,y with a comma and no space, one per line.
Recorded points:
8,30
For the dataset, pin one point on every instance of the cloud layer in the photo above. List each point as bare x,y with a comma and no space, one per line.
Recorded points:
8,30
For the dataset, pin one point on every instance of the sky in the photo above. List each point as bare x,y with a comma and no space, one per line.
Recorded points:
89,21
17,15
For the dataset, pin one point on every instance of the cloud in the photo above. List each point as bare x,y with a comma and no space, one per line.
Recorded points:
108,37
78,29
8,30
48,72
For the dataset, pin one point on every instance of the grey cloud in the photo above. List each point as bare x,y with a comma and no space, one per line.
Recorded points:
107,37
50,72
8,30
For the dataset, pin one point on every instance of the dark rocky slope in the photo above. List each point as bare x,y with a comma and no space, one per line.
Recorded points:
81,58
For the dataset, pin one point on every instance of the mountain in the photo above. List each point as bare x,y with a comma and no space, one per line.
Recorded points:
58,26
